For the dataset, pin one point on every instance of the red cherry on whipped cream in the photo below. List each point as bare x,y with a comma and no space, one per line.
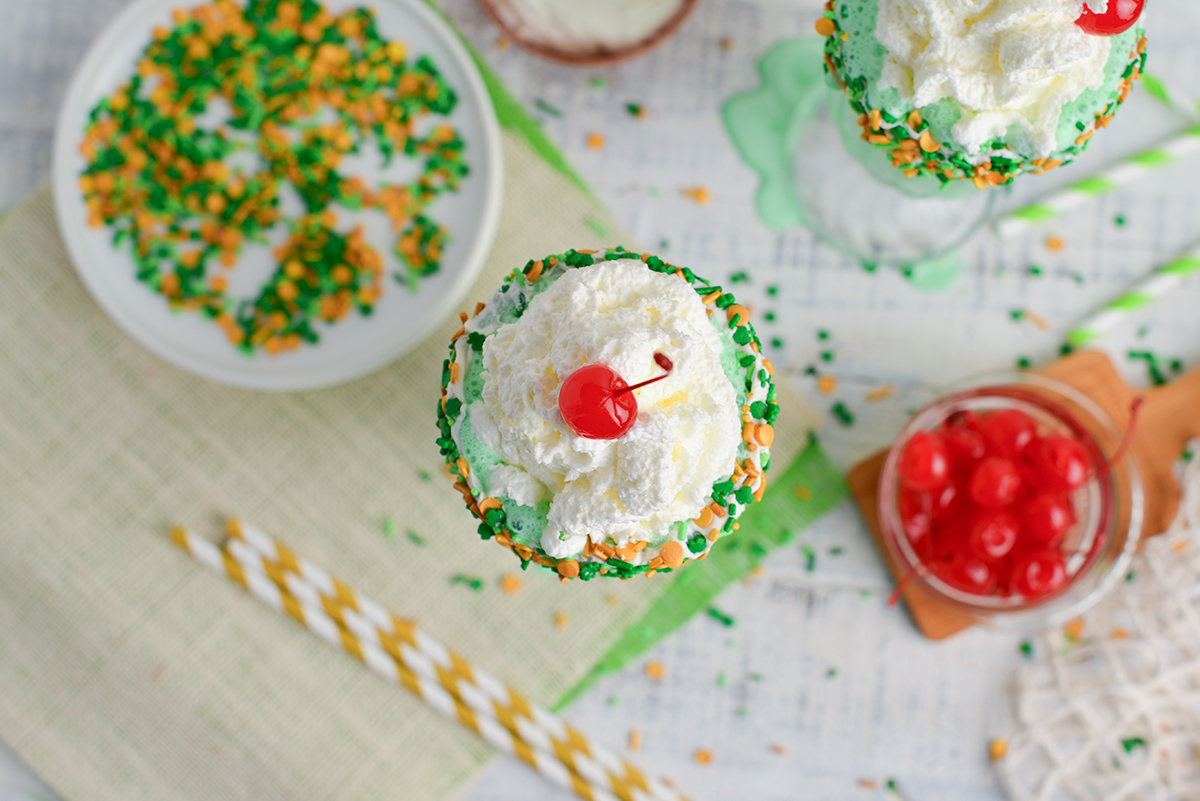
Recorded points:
596,403
1117,18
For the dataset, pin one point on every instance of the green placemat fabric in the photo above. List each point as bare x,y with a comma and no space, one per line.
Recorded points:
131,673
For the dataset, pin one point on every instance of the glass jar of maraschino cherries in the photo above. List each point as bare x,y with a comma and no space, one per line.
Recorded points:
1012,499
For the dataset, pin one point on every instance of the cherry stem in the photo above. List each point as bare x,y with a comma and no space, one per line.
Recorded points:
659,359
901,586
1128,438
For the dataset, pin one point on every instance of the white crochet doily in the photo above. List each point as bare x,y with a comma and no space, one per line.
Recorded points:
1110,710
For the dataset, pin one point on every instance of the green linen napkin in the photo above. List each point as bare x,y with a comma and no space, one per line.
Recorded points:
131,673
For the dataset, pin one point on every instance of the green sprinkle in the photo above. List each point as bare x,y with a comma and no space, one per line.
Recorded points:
1026,648
844,415
769,317
831,673
415,538
1078,278
1034,270
1130,743
612,700
740,277
546,107
664,244
634,109
776,343
722,679
742,711
717,614
389,527
826,355
822,334
1023,363
474,583
1141,334
1119,220
424,475
597,227
837,550
598,82
1129,577
810,558
772,290
1017,314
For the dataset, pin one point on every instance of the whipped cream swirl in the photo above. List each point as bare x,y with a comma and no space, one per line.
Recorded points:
687,432
1007,63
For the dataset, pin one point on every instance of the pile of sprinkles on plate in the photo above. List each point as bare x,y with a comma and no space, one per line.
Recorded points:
519,528
919,141
304,87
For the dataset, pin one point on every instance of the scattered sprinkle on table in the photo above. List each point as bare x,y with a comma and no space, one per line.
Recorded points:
655,670
776,343
740,277
502,43
1054,243
546,107
699,194
475,584
827,385
843,414
810,558
718,615
1026,648
1023,363
389,527
831,673
703,756
635,739
595,141
414,537
174,187
560,620
636,110
776,748
1119,634
822,334
803,493
1130,743
769,317
997,748
612,600
1035,270
1073,629
1119,221
598,82
880,393
725,43
510,584
827,356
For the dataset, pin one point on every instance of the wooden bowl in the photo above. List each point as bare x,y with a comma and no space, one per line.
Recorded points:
507,19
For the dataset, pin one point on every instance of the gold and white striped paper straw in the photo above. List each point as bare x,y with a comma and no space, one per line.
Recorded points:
369,619
370,654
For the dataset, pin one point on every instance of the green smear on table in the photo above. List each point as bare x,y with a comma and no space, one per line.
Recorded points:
936,274
764,526
764,124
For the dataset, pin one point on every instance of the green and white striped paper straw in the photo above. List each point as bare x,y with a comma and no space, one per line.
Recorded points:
1139,296
1123,173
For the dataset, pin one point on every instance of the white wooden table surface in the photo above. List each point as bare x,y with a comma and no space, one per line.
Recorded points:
816,664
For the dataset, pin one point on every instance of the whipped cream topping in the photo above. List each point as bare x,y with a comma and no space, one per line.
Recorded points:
688,428
611,23
1007,63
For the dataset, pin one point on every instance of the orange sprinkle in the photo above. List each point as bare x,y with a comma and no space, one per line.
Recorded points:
1054,243
825,26
927,142
510,584
827,385
725,43
612,600
672,554
699,194
502,43
997,748
595,141
1179,546
1036,319
705,518
868,784
568,568
1073,629
655,670
703,756
778,749
765,434
1119,634
560,620
879,393
635,739
803,493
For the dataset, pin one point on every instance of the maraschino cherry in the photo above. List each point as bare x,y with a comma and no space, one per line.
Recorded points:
596,403
1119,17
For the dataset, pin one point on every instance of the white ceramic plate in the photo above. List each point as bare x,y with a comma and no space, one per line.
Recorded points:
355,345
